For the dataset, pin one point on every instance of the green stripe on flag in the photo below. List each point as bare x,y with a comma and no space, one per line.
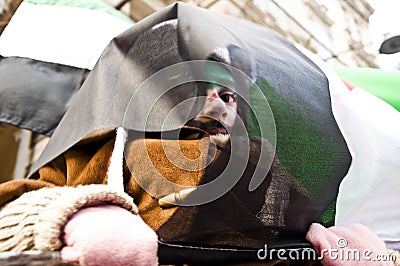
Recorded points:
299,137
88,4
383,84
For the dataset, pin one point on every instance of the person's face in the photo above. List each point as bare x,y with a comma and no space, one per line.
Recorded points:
219,111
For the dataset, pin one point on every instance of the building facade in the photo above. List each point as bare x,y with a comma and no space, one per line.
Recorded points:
336,30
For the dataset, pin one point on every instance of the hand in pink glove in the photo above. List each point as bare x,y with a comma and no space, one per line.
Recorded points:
351,245
109,235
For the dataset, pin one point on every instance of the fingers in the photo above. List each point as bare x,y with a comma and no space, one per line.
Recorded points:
70,255
320,237
347,245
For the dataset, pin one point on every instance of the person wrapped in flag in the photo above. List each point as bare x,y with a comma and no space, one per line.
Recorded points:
192,132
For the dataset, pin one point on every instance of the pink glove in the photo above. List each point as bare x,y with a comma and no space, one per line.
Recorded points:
351,245
109,235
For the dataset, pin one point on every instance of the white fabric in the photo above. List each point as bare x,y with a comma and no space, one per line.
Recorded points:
115,174
370,192
60,34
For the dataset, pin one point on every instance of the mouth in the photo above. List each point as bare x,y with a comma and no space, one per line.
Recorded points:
212,126
217,131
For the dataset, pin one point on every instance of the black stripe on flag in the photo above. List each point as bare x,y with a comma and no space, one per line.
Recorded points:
35,94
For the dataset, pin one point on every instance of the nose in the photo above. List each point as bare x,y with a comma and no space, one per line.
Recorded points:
216,109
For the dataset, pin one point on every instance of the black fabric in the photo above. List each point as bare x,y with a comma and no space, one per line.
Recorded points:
175,253
311,154
103,98
35,94
235,219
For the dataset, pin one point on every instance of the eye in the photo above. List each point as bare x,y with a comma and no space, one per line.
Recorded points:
227,97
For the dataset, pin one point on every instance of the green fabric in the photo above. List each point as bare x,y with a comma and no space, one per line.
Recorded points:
313,176
259,114
383,84
328,217
88,4
218,74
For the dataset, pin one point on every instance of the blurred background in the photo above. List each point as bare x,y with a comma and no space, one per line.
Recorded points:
344,33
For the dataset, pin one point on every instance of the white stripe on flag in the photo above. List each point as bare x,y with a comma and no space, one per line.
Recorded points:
60,34
369,193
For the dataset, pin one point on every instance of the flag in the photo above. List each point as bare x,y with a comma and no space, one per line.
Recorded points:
46,52
369,192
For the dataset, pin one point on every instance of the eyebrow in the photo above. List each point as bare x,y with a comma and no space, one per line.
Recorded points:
222,88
